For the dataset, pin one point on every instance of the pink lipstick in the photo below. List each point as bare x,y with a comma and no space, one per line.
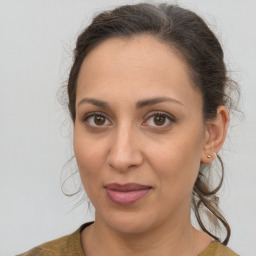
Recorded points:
126,194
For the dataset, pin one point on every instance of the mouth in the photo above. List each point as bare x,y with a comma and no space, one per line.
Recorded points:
126,194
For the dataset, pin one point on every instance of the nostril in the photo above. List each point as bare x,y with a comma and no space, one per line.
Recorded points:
123,161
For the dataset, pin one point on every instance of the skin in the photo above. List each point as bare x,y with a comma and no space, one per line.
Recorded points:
128,146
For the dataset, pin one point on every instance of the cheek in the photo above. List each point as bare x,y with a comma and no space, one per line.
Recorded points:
90,157
177,160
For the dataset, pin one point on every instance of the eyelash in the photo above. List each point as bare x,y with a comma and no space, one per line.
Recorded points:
168,117
93,114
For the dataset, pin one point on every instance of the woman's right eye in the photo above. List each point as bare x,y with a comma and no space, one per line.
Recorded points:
96,120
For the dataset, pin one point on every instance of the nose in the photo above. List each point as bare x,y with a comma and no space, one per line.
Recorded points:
125,150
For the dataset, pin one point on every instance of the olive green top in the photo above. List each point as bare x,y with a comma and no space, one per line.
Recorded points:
71,245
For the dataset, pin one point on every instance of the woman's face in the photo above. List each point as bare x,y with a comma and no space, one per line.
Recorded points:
138,135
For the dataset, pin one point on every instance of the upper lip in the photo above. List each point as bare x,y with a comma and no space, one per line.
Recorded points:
126,187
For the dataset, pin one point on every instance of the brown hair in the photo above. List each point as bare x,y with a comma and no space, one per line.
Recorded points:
188,34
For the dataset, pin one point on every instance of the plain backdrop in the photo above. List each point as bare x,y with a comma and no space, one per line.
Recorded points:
36,42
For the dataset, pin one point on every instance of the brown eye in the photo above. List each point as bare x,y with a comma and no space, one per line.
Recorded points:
99,120
96,120
159,120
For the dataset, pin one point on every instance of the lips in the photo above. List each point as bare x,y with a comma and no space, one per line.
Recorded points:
126,194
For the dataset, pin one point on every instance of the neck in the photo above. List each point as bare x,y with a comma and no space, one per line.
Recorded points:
170,239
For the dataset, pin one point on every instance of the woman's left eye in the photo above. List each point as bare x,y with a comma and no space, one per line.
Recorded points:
159,120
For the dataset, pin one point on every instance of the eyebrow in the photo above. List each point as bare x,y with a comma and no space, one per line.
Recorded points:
139,104
156,100
98,103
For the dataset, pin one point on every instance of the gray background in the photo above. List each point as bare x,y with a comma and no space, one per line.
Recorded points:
36,42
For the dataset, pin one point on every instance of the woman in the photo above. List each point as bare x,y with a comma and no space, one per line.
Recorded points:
147,96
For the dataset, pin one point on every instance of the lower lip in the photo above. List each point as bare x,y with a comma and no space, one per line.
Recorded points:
126,198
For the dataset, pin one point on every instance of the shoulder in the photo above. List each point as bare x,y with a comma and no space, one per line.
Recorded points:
224,250
54,248
50,248
66,245
218,249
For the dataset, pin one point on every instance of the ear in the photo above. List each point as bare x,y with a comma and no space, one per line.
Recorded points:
215,134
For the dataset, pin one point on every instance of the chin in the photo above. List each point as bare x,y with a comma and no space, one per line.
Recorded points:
129,222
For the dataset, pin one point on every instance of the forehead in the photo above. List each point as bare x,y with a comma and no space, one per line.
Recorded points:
139,64
142,51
